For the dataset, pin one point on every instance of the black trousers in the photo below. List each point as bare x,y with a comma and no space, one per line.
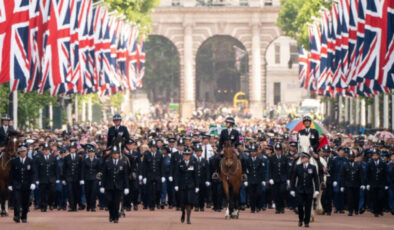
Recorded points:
217,191
135,191
47,194
254,195
113,203
202,196
21,202
304,207
74,194
127,198
154,192
377,198
91,193
353,196
279,193
326,198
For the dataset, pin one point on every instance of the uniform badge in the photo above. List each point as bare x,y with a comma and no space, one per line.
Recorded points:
121,168
310,171
232,137
263,164
289,163
191,168
312,136
28,167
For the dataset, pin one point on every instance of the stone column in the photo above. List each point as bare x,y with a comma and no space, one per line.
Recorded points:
90,110
50,115
363,121
40,118
376,114
357,101
76,108
346,109
187,99
340,112
351,114
386,111
83,111
256,102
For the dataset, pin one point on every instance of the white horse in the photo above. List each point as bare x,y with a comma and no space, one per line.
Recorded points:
304,145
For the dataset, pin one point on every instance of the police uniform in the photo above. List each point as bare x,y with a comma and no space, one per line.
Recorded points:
72,177
376,183
116,131
339,196
231,135
255,171
90,168
279,178
313,134
304,181
153,173
21,182
204,178
176,156
46,176
136,175
115,182
216,186
327,193
5,131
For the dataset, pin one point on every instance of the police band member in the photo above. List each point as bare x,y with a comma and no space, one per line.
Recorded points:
186,183
47,175
90,168
72,177
115,182
303,183
117,130
21,183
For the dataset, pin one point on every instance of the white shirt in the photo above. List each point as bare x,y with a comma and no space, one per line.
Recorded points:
5,128
209,151
115,162
305,166
22,159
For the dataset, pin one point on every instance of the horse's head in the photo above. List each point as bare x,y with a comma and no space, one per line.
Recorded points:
228,154
13,144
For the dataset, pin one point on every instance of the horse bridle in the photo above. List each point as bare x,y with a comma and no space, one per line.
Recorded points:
229,173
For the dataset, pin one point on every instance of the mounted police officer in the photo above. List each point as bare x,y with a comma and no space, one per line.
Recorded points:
115,182
90,168
72,177
308,131
117,130
229,134
5,130
21,183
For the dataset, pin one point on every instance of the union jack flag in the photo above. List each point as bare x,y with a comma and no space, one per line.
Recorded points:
132,58
323,75
314,44
14,33
303,71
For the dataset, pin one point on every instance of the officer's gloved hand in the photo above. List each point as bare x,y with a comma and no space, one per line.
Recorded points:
176,188
140,177
368,187
292,193
335,184
170,178
386,187
10,188
37,182
32,187
163,179
342,189
126,191
271,181
246,184
144,180
197,189
316,194
102,190
362,187
82,182
288,182
207,183
263,183
64,182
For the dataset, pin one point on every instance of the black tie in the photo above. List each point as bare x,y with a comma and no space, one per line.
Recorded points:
205,152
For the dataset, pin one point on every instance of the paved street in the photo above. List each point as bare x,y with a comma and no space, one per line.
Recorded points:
167,219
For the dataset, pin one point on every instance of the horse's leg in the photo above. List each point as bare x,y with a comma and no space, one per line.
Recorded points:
226,192
236,202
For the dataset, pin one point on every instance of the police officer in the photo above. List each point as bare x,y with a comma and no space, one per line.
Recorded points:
115,182
153,174
326,198
308,131
72,177
134,157
21,183
204,178
117,130
176,156
255,180
90,168
352,182
292,156
337,163
186,182
47,176
279,172
376,182
216,184
303,182
5,130
229,134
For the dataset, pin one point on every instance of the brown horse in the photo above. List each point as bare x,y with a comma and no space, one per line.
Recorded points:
231,176
11,151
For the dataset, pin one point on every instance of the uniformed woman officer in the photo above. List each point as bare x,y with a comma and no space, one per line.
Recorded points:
186,182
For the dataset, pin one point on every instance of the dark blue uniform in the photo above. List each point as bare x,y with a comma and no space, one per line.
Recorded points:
204,176
351,180
90,168
153,170
376,179
47,174
255,171
72,174
279,173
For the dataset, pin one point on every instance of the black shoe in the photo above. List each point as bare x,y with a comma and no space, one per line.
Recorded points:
128,209
306,225
88,209
196,209
376,215
145,207
43,210
328,213
178,208
356,212
257,210
64,208
59,208
16,219
116,221
101,208
242,207
362,211
282,211
93,210
135,207
50,208
82,207
111,219
336,211
299,223
252,211
342,212
188,222
209,206
183,218
201,209
170,207
152,209
277,212
350,214
24,221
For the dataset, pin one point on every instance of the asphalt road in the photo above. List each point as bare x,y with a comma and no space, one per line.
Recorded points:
208,220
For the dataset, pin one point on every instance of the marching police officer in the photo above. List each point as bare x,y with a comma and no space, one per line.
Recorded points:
114,182
21,183
153,174
186,182
255,170
134,157
279,180
204,179
308,131
327,193
47,175
72,177
337,164
376,182
217,188
303,182
176,156
90,168
117,130
352,182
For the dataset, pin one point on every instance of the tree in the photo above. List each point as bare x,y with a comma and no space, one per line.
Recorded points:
294,16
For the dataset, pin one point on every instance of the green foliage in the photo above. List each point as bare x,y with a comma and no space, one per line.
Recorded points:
116,100
137,11
295,15
4,98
